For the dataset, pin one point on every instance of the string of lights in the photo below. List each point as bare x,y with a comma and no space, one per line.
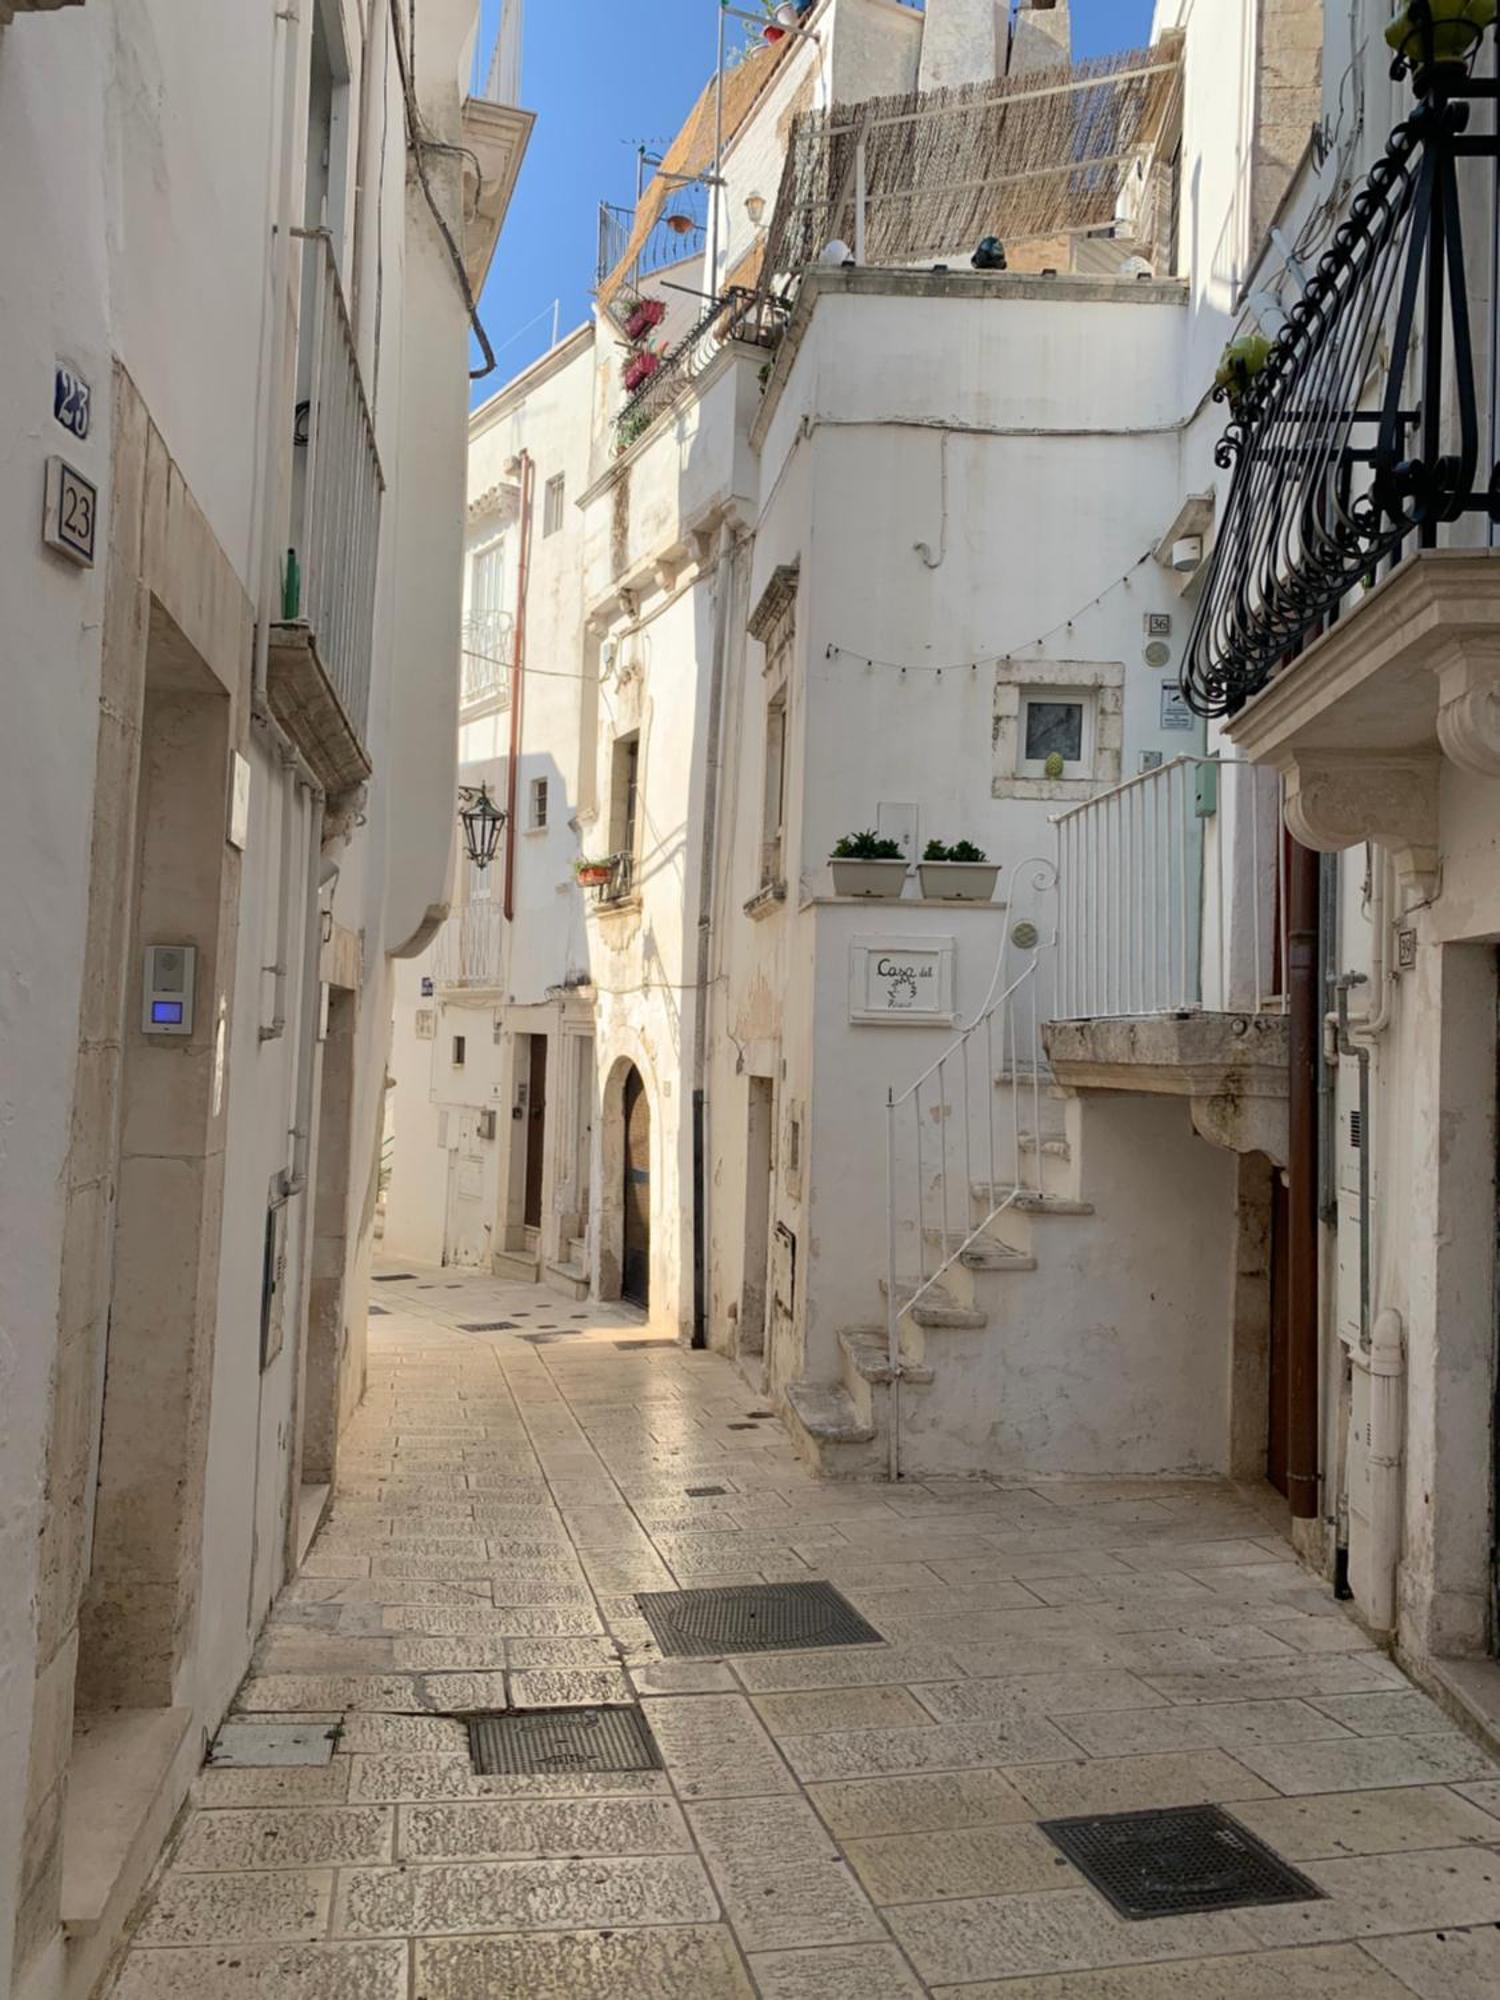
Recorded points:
989,659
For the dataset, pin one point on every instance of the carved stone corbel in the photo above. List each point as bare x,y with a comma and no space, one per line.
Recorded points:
1334,799
1468,719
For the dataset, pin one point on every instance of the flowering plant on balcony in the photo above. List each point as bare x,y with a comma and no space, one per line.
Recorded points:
644,314
640,368
1439,30
593,871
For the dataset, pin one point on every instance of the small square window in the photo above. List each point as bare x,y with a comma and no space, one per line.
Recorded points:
1056,724
552,505
536,813
458,1051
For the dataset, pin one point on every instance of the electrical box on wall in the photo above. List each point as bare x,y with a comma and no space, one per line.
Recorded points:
170,975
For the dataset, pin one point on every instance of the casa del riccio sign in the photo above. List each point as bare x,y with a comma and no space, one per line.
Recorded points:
901,980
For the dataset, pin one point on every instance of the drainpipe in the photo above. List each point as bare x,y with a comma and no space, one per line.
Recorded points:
517,682
723,590
273,1030
1304,1027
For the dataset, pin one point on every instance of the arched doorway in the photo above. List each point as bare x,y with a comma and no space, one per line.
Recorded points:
635,1194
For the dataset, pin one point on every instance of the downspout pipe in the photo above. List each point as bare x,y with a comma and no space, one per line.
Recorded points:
517,686
723,591
1304,1031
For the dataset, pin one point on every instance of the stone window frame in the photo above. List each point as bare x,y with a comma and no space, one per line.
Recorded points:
1102,683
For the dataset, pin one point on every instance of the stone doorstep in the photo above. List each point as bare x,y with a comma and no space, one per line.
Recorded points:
123,1789
1468,1689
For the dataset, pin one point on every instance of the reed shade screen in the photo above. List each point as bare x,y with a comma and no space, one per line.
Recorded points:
1041,155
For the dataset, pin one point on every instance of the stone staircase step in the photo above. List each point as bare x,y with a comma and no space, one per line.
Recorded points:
869,1356
827,1415
1054,1147
1029,1201
522,1264
571,1279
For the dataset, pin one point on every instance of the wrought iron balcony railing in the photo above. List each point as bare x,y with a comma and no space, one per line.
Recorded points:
621,883
488,657
470,946
739,315
1359,436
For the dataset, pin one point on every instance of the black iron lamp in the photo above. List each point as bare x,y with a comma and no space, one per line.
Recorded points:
482,821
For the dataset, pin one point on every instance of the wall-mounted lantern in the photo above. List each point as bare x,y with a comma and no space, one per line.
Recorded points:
482,821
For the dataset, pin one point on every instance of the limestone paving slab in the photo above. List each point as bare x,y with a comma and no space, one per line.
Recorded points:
940,1746
286,1837
427,1733
1131,1784
1210,1725
1372,1762
1392,1822
289,1905
694,1962
1064,1694
1444,1965
1381,1894
715,1746
549,1828
266,1972
1319,1972
969,1861
578,1687
840,1708
843,1667
303,1785
781,1876
398,1779
877,1806
845,1972
998,1937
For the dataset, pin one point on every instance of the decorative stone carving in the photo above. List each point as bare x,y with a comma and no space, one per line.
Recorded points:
1335,799
1468,719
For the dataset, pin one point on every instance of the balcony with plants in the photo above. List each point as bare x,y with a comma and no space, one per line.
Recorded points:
1348,622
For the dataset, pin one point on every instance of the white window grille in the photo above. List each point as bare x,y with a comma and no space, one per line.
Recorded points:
552,504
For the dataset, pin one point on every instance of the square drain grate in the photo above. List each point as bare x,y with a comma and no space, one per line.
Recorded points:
486,1326
752,1618
1176,1862
562,1740
703,1492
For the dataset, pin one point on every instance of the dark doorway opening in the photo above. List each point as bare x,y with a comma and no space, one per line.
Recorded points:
635,1268
536,1130
1278,1385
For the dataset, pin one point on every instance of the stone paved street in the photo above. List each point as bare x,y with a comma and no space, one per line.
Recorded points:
852,1824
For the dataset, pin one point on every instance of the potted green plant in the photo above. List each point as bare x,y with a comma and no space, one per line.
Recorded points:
864,864
592,871
961,873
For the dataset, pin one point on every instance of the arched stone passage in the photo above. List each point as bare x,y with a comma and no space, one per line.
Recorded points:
626,1212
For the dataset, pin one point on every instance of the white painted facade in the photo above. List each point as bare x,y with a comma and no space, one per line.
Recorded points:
169,1421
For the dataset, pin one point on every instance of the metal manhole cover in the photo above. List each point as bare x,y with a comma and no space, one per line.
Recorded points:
259,1746
486,1326
1176,1862
752,1618
393,1277
562,1740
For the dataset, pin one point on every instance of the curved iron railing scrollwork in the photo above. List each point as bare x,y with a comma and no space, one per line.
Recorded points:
1333,469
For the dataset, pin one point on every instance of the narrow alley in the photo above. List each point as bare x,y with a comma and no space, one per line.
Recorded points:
855,1822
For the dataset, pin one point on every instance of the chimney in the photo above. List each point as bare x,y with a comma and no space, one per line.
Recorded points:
1041,36
963,41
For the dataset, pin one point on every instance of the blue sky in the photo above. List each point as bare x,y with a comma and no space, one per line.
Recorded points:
603,76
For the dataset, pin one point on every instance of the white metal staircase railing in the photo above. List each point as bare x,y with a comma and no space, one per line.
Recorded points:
1171,892
470,946
947,1125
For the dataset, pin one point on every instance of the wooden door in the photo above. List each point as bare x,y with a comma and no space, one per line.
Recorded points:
536,1130
1277,1388
635,1268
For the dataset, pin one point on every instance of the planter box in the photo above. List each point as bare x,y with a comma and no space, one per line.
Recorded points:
959,881
882,879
